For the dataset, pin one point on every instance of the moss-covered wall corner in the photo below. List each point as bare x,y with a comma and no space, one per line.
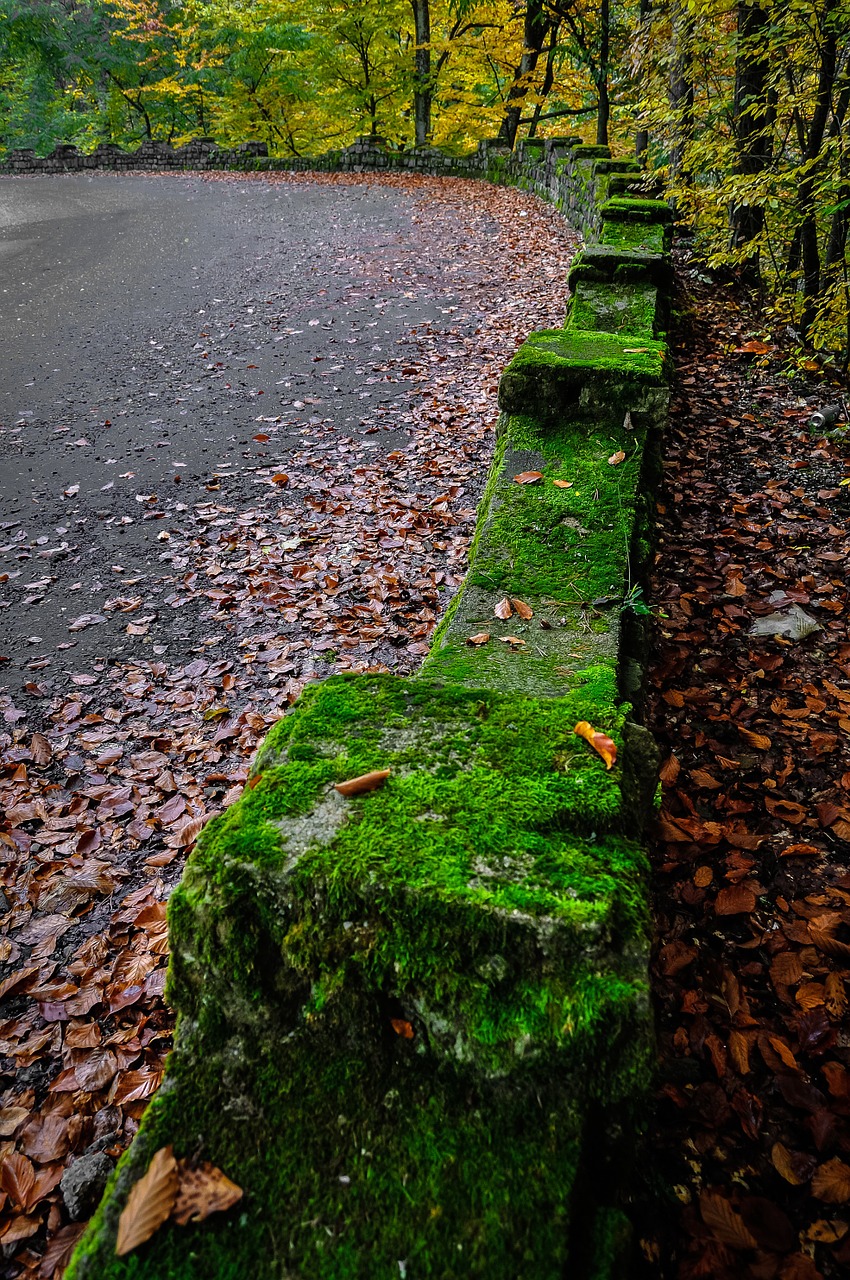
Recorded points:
413,1023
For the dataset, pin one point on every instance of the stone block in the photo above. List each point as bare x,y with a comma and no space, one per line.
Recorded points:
595,377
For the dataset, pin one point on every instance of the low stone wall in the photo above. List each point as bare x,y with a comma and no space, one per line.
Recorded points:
574,176
413,1021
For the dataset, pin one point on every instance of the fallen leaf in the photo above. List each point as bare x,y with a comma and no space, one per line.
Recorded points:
203,1190
528,477
735,900
825,1232
757,740
402,1028
511,640
563,484
60,1246
831,1182
787,810
725,1224
669,771
755,347
481,638
616,458
17,1179
503,609
366,782
790,1165
40,749
601,743
150,1202
524,610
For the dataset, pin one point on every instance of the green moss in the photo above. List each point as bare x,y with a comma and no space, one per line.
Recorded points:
622,309
460,898
634,235
573,371
589,151
634,209
606,262
568,545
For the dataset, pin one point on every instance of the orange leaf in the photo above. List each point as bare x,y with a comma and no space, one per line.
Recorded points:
757,740
481,638
503,609
755,347
281,478
366,782
739,1051
529,477
149,1203
402,1028
563,484
669,771
831,1182
203,1191
616,458
601,743
40,749
787,810
511,640
800,851
17,1178
59,1249
734,901
524,610
784,1165
725,1224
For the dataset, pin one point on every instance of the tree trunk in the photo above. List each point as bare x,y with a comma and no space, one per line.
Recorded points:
603,110
642,135
548,82
752,118
807,190
422,75
681,94
536,26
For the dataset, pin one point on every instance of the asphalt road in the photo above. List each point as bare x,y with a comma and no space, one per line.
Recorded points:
148,323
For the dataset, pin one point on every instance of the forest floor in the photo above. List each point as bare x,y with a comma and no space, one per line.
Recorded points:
750,1141
178,556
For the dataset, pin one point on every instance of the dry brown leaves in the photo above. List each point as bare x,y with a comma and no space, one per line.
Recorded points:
344,560
751,853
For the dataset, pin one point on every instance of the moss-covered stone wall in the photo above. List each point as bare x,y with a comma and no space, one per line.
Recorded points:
413,1022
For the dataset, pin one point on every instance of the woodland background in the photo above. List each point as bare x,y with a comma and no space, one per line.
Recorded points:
741,109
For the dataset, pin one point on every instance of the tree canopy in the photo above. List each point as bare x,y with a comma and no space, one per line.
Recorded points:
741,109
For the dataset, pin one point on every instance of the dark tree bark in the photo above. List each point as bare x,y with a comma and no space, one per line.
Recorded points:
681,92
422,76
534,36
806,197
603,111
642,135
548,82
752,118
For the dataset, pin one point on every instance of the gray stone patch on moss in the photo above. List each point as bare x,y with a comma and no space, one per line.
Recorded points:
624,308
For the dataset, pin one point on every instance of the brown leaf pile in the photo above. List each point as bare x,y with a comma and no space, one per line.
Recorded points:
751,1140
